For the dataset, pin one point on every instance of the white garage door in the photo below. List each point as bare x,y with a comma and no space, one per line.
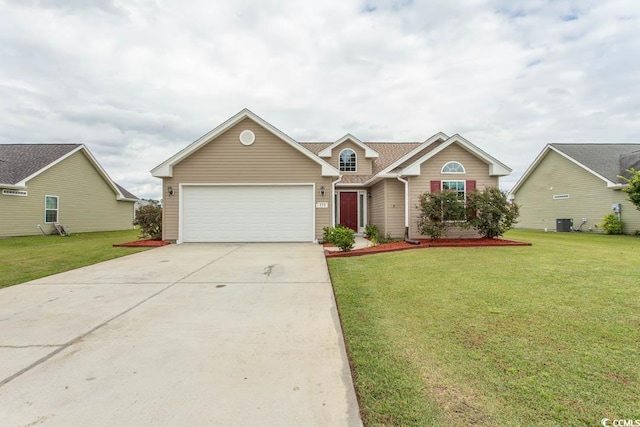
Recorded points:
238,213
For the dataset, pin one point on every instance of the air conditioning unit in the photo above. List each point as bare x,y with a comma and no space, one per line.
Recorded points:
564,224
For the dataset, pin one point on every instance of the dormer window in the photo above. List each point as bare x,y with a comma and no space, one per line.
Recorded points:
348,160
452,167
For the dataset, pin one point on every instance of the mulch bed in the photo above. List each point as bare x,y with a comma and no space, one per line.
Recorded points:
142,244
425,243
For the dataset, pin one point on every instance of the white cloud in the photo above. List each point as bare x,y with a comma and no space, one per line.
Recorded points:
138,81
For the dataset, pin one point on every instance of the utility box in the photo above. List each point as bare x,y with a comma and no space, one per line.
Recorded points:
564,224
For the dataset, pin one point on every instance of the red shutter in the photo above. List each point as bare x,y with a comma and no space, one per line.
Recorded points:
470,185
435,186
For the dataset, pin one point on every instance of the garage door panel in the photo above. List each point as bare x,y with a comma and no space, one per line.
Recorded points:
247,213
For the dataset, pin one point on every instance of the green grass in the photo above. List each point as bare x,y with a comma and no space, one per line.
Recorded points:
32,257
511,336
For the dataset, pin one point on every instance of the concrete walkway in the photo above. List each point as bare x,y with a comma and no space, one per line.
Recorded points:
193,334
360,243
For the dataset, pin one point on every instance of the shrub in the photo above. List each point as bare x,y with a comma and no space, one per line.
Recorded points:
149,219
490,212
344,238
372,233
611,224
437,211
340,236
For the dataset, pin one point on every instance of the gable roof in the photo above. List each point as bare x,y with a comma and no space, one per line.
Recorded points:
605,161
165,169
496,168
20,163
368,151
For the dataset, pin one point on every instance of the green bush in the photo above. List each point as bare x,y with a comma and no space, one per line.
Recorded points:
372,233
437,211
149,219
611,224
340,236
490,212
344,238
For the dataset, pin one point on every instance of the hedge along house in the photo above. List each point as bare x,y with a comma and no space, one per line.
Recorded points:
577,183
247,181
43,184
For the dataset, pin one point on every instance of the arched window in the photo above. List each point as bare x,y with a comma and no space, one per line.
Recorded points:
348,160
452,167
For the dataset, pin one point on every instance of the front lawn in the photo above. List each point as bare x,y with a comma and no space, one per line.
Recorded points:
510,336
32,257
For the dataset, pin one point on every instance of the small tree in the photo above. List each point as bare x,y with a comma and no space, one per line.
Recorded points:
149,219
633,190
490,212
438,212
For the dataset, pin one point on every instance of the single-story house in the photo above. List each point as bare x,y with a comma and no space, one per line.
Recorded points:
247,181
573,186
45,184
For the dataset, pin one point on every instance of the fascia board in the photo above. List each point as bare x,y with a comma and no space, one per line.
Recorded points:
13,186
425,144
368,151
23,183
165,169
539,159
105,175
574,161
495,166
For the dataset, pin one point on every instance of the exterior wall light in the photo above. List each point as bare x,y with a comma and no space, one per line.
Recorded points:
170,190
322,191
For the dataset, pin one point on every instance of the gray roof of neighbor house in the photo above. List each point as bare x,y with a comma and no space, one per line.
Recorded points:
607,160
20,161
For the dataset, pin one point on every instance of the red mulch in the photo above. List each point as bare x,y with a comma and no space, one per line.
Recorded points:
424,243
142,244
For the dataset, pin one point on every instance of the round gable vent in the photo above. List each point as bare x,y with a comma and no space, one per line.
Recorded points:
247,137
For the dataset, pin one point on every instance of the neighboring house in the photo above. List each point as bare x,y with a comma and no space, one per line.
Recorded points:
247,181
43,184
577,182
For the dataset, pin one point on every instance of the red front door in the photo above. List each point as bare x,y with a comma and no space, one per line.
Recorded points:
349,210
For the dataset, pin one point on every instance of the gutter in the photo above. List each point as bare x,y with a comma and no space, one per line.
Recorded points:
406,211
333,200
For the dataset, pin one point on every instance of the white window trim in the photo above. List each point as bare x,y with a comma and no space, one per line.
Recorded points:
354,153
442,171
57,209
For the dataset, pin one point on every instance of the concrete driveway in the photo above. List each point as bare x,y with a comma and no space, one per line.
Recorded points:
192,334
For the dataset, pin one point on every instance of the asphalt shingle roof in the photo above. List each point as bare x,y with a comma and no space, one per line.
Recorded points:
18,161
388,152
608,160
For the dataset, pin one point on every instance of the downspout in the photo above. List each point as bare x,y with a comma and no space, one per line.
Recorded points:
406,211
333,200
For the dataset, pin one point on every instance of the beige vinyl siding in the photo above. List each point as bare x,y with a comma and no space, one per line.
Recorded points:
225,160
475,169
387,207
85,201
363,165
377,204
589,197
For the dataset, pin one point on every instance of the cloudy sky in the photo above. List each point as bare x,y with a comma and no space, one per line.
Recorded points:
137,81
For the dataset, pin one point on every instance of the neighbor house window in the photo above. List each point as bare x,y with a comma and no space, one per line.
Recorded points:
347,160
452,167
50,208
